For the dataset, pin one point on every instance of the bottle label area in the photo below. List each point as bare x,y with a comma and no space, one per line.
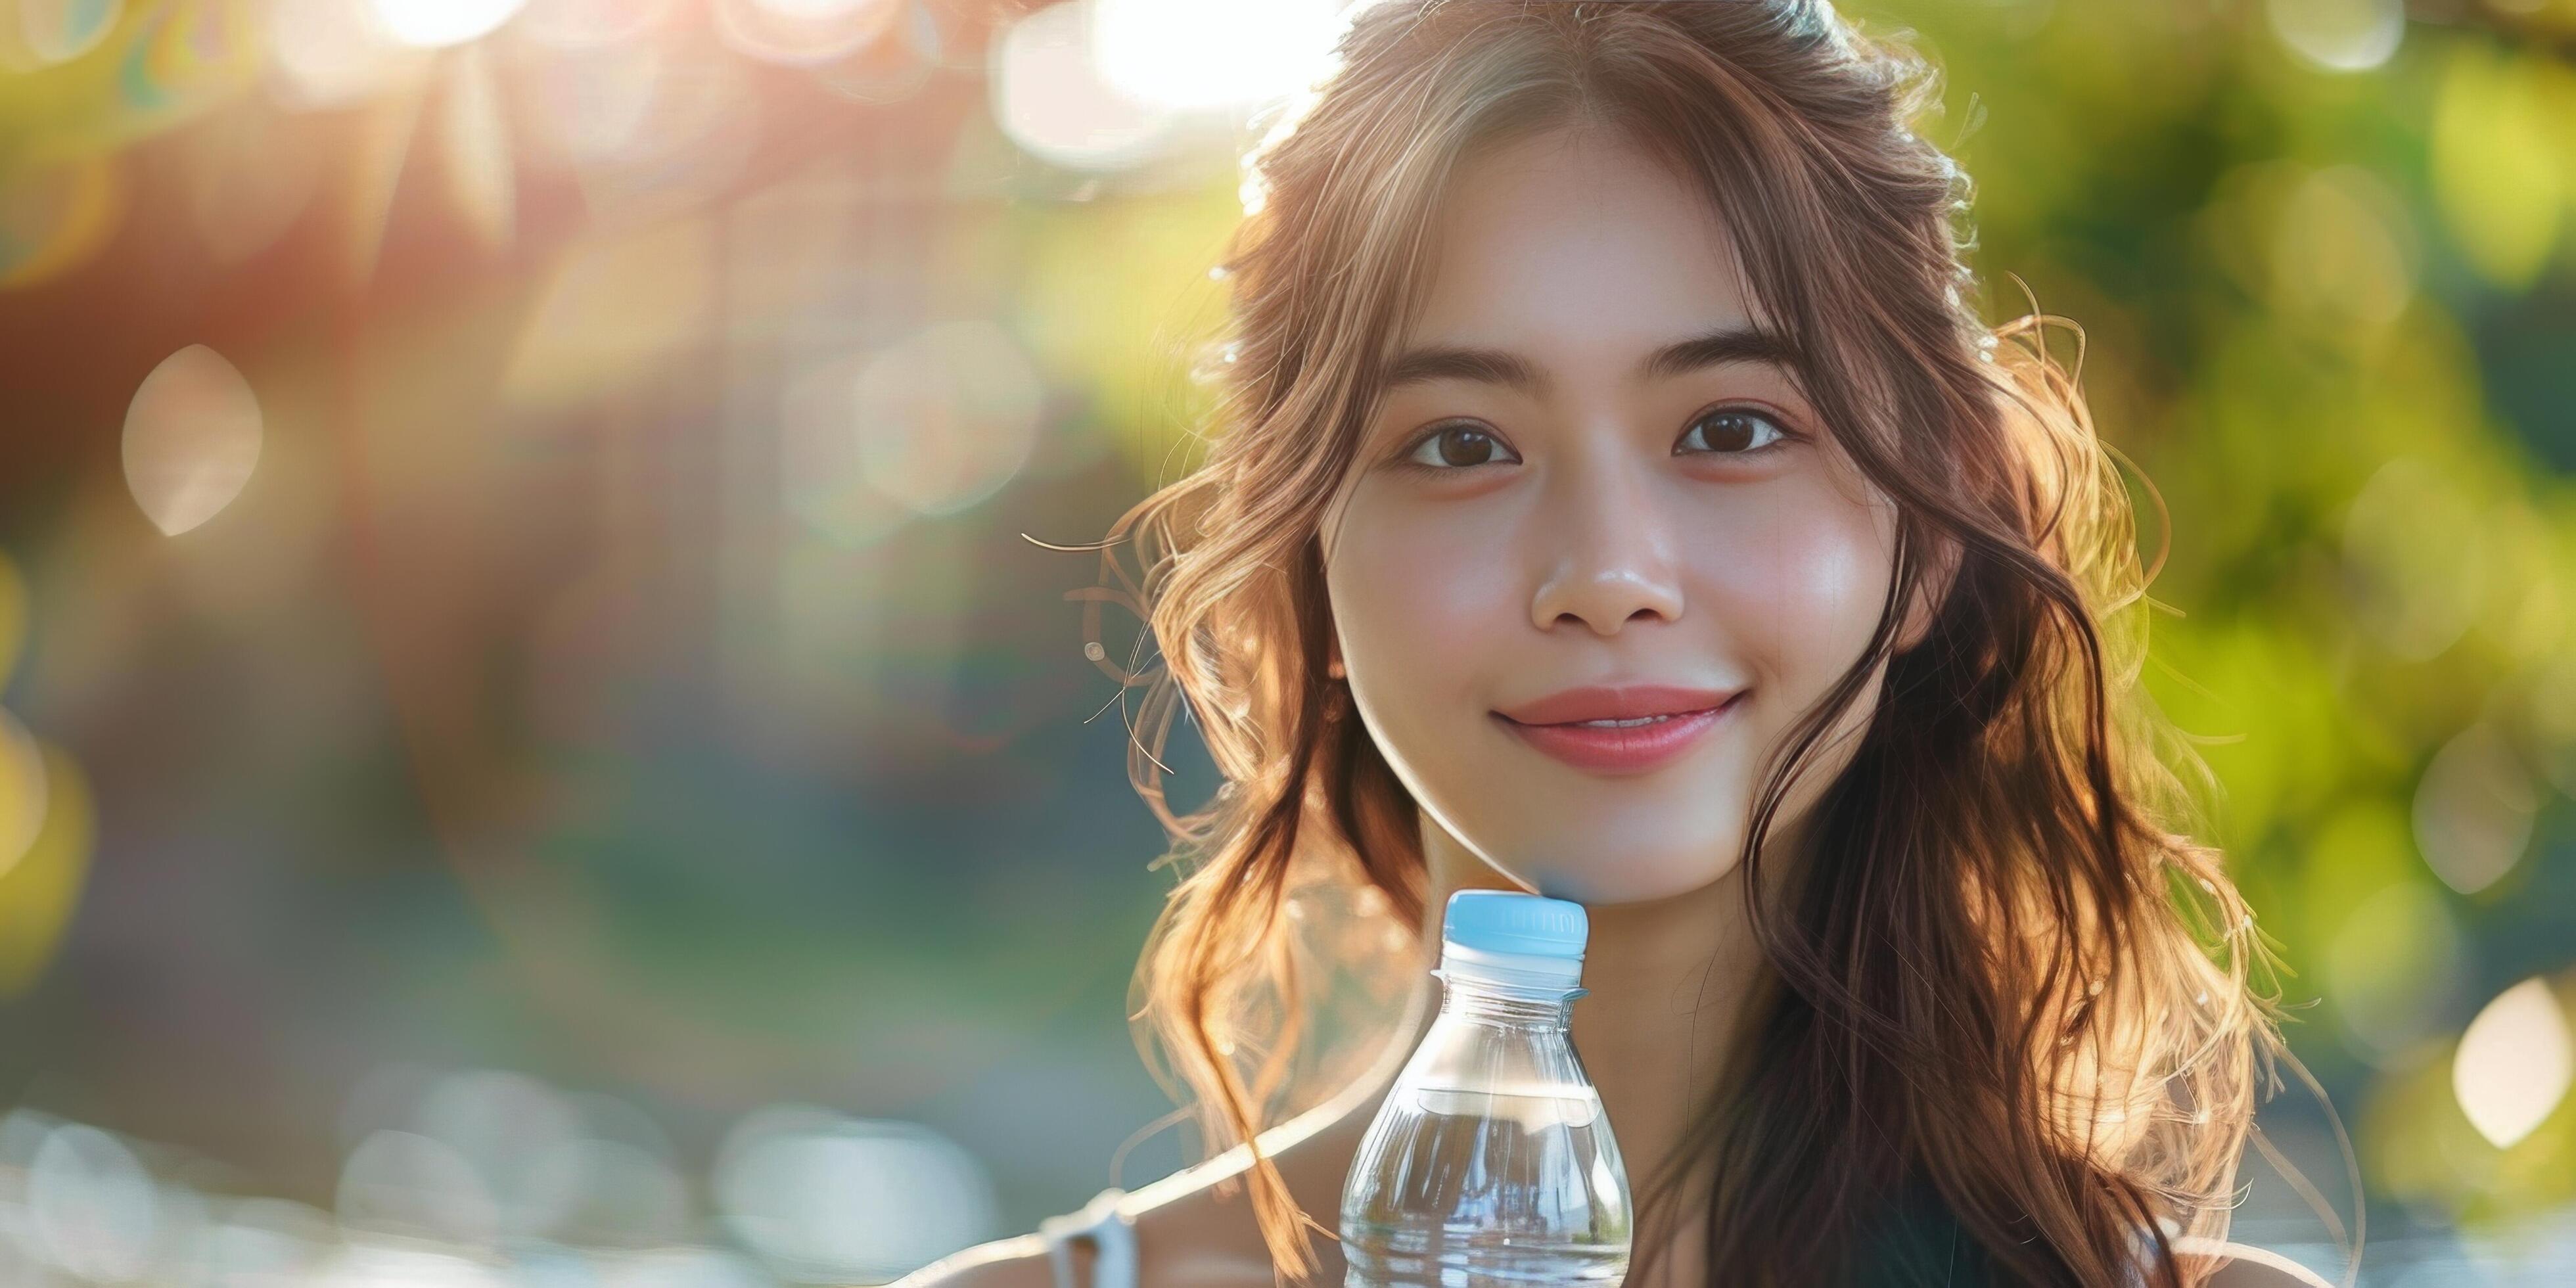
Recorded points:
1524,1179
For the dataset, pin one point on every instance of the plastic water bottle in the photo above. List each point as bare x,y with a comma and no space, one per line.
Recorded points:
1490,1161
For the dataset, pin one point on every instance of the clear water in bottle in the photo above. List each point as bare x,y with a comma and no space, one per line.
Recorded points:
1490,1161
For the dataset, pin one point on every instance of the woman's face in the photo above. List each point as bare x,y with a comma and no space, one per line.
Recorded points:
1576,479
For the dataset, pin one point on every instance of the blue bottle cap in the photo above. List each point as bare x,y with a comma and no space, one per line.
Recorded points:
1508,921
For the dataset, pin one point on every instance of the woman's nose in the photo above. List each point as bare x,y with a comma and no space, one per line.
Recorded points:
1606,550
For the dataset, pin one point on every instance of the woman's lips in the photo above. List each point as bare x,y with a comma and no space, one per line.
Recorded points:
1623,749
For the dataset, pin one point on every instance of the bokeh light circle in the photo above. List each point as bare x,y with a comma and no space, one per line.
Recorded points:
510,1128
945,418
2342,253
820,480
2473,809
409,1185
800,33
46,33
1190,55
2514,1063
821,1196
2339,35
432,24
1048,96
192,436
91,1204
2414,548
335,53
23,792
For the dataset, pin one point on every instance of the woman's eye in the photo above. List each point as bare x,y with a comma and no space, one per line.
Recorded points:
1734,430
1457,447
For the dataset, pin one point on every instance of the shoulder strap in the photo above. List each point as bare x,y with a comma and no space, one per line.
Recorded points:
1113,1240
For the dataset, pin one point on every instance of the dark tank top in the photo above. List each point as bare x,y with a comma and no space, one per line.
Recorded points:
1919,1242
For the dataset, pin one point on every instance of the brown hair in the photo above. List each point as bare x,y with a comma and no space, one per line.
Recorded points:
2005,971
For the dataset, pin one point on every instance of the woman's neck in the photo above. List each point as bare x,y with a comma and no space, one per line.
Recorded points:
1665,981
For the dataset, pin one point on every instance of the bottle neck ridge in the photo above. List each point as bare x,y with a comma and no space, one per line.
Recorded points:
1507,987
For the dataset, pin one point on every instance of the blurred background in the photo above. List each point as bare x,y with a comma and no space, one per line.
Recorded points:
536,749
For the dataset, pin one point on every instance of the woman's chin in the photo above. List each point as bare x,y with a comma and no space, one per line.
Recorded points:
1643,882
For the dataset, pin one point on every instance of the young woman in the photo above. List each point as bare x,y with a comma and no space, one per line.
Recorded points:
1604,363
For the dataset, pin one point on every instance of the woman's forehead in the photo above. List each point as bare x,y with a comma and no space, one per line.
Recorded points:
1577,240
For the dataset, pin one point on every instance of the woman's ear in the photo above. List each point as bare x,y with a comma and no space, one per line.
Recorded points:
1332,643
1931,590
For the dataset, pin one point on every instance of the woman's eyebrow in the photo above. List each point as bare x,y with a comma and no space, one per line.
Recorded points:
1480,366
1730,343
1733,343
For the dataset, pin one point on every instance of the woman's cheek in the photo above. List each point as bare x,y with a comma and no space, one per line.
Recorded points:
1807,608
1803,590
1412,601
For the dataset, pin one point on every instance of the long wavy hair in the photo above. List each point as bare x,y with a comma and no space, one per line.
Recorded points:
2005,970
